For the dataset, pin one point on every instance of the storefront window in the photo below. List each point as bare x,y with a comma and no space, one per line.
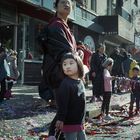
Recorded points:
31,28
7,35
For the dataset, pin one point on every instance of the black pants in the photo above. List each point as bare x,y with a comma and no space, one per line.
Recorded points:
135,97
106,102
10,85
3,89
45,91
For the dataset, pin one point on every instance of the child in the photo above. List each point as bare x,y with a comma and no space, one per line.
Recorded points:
71,99
107,87
135,94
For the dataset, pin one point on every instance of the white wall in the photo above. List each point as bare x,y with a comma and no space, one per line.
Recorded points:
101,7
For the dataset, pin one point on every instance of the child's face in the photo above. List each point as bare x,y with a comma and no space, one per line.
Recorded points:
70,67
109,67
135,72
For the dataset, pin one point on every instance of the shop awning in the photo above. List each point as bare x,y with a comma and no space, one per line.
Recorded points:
116,28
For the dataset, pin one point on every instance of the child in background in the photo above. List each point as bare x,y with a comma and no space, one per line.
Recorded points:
71,99
135,94
107,88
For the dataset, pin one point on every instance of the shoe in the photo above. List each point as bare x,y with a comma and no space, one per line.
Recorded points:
137,112
108,117
93,99
8,94
99,99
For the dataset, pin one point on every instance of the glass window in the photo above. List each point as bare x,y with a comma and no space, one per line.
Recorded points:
7,35
93,5
37,2
31,28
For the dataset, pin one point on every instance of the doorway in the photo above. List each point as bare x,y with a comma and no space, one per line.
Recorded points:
7,35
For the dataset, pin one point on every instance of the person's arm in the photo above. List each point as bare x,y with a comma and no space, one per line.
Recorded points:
62,99
107,76
93,65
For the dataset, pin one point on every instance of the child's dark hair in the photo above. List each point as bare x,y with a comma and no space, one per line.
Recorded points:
137,68
78,61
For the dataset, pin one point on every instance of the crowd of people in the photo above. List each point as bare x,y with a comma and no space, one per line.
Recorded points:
68,65
67,68
8,72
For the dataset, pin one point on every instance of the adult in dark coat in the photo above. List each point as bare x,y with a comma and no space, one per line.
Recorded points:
96,71
3,73
118,69
56,40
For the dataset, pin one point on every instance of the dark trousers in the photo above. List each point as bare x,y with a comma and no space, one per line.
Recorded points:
93,91
106,102
3,89
10,85
134,97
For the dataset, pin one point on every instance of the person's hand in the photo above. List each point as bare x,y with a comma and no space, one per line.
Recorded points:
93,74
59,125
113,77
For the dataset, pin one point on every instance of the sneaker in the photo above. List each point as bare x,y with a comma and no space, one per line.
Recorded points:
108,117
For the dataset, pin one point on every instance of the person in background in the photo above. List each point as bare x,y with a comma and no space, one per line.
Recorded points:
85,54
126,64
108,64
96,72
71,99
13,74
3,73
132,65
118,69
135,94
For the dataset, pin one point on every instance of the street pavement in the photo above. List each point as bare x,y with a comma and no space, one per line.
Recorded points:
25,117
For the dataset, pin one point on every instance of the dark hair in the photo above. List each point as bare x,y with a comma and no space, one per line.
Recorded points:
135,69
78,61
79,43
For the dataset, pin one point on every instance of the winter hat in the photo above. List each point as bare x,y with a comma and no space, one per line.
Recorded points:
107,62
136,68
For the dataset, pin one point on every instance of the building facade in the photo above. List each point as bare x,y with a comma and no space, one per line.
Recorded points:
92,21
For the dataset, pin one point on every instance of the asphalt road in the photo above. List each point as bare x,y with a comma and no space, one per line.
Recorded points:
23,118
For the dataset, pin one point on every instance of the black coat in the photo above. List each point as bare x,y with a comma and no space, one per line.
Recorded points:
96,66
56,40
118,64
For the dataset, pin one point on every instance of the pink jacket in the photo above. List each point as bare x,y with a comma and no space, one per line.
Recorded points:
107,81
